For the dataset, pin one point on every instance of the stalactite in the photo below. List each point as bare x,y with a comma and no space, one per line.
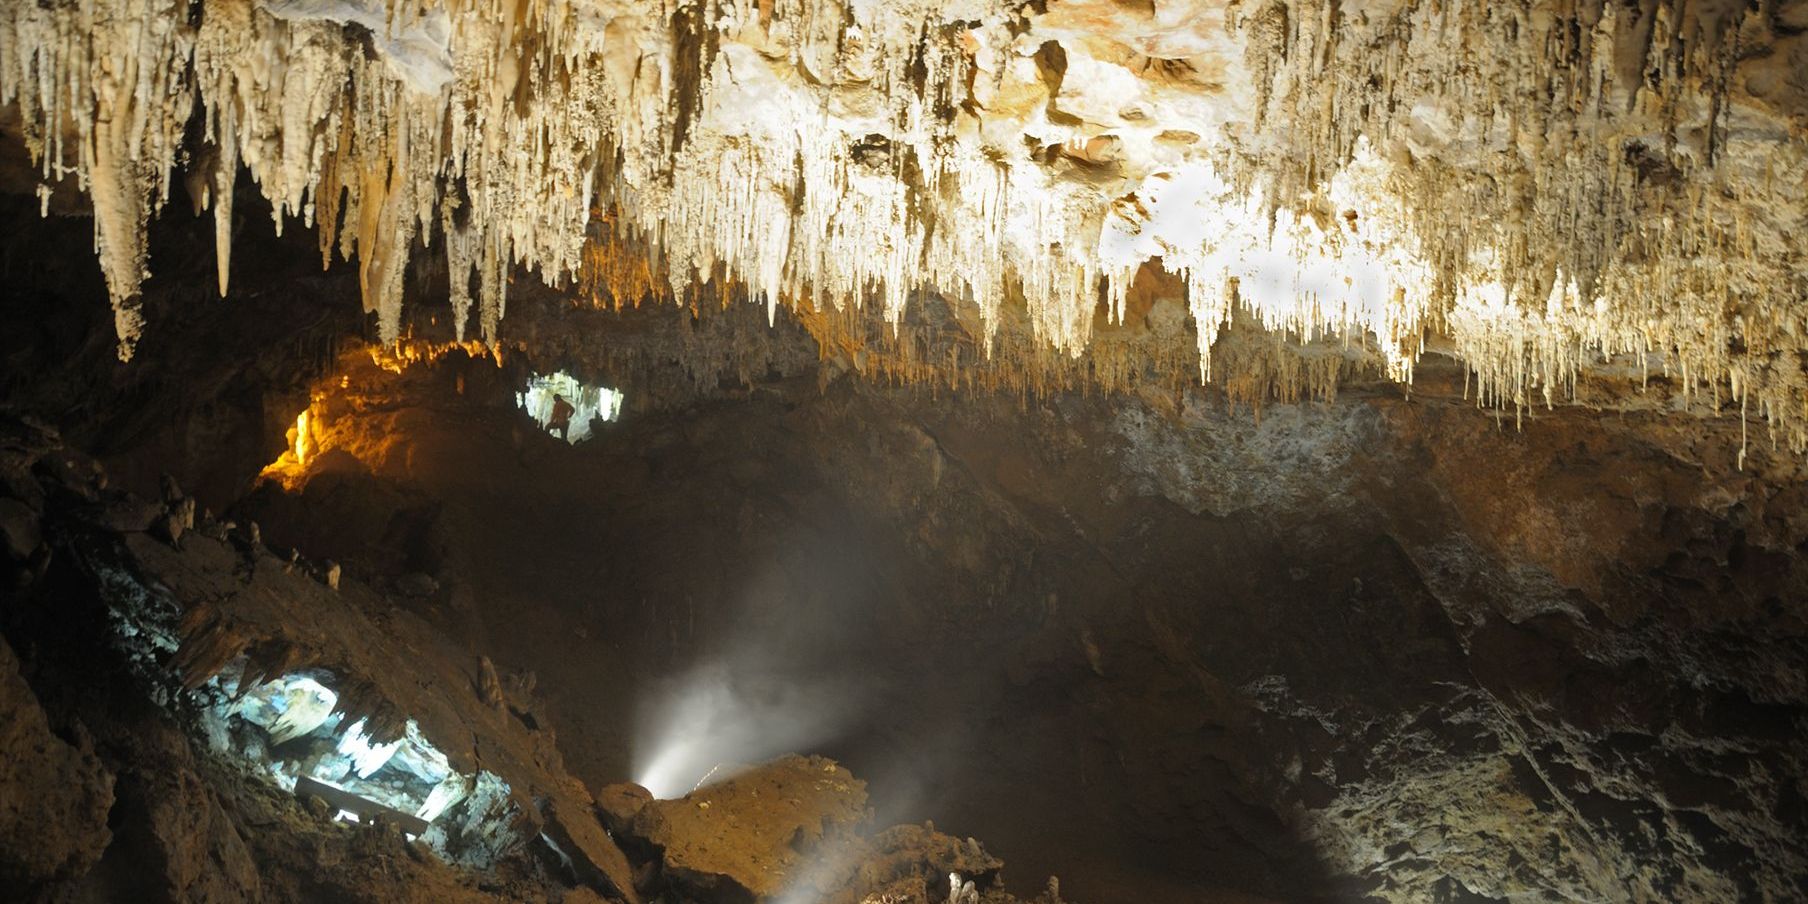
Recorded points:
1547,185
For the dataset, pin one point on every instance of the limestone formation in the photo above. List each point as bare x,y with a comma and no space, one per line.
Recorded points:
1280,450
1539,187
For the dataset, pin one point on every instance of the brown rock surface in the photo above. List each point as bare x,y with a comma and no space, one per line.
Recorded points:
755,830
54,796
1263,653
189,819
620,803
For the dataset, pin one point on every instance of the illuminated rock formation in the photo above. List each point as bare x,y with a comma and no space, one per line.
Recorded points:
1537,187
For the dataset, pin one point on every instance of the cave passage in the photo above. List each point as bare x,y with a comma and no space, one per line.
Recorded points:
883,452
558,397
1382,648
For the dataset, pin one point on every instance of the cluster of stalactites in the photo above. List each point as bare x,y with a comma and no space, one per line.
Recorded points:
380,151
1598,188
1548,184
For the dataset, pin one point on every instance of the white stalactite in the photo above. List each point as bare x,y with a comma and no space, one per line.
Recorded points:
1547,185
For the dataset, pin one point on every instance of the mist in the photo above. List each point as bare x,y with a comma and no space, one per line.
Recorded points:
720,717
775,677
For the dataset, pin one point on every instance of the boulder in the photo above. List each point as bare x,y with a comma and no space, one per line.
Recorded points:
620,803
593,854
73,471
170,490
168,528
750,836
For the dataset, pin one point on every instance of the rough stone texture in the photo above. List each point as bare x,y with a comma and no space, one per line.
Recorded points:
183,846
1387,646
184,821
620,803
193,821
284,620
574,827
1605,717
54,796
911,863
179,410
756,830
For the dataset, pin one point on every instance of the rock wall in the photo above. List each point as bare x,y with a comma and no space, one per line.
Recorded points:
54,795
1159,646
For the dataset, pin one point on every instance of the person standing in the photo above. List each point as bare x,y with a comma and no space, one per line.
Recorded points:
561,418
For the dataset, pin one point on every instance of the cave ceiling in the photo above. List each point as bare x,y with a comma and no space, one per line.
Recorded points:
1539,189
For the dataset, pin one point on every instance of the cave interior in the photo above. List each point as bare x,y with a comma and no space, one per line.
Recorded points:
880,452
